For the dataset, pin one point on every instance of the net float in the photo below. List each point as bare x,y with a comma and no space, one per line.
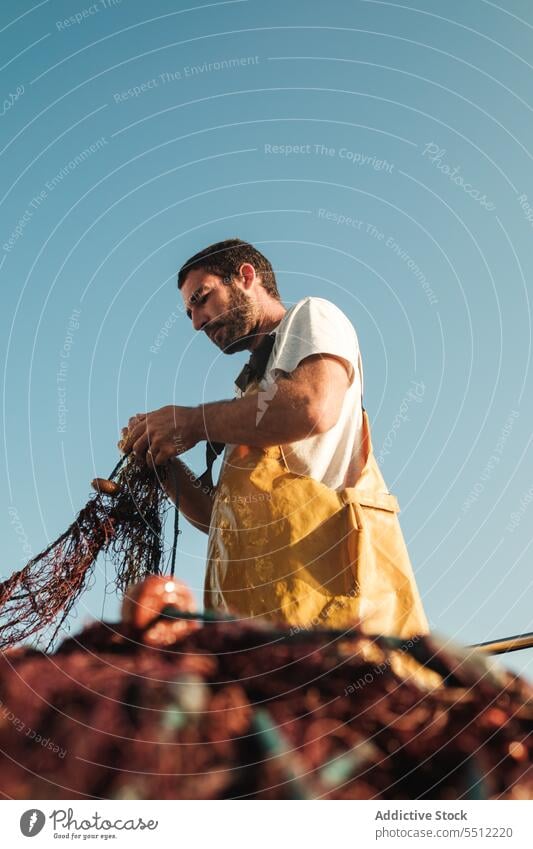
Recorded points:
105,486
145,600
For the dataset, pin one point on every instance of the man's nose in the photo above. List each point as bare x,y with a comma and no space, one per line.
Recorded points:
199,318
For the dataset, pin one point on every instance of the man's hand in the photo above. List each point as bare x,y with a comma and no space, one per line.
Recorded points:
157,436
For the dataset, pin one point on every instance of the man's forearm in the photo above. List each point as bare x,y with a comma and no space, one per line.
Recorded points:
304,403
195,502
260,420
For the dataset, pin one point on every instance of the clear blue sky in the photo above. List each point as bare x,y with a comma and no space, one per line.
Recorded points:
378,153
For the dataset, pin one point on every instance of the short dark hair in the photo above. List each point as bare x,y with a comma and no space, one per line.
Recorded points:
225,258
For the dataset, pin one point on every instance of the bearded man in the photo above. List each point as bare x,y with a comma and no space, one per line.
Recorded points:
301,528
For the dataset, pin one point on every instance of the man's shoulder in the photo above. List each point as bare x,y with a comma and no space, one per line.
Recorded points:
314,301
314,309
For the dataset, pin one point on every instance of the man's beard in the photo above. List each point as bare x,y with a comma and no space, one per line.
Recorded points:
238,326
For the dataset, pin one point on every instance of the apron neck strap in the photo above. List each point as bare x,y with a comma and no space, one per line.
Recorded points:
254,370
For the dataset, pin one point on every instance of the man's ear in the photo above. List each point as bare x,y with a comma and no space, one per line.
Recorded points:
247,274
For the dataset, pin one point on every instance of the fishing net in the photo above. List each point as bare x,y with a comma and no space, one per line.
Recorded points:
232,709
123,520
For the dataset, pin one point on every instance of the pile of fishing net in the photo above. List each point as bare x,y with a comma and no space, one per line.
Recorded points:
169,704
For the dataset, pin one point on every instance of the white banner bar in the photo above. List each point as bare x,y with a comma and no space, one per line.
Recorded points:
268,825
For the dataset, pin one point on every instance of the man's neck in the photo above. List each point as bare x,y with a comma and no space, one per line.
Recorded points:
267,323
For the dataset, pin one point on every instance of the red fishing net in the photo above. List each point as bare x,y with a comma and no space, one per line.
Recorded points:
206,709
126,525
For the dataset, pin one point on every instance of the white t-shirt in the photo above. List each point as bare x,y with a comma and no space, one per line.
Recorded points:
317,326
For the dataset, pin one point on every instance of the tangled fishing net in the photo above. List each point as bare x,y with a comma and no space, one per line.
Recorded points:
124,520
169,704
173,704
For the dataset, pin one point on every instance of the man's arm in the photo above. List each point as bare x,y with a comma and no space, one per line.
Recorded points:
195,500
301,404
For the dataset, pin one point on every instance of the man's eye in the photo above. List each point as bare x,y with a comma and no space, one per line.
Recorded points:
200,299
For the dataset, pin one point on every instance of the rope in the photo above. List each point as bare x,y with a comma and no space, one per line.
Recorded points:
176,531
117,467
176,524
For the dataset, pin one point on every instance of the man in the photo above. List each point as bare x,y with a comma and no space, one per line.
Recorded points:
229,292
296,445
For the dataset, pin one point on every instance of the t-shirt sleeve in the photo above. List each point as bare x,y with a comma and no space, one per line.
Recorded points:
315,326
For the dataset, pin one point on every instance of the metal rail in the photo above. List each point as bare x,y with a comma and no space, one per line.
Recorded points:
507,644
520,641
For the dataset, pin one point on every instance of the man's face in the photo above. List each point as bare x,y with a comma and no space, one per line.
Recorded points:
226,313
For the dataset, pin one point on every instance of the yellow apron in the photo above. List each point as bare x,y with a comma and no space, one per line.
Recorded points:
288,548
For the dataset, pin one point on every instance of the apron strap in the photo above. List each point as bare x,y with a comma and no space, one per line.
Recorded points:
212,451
252,372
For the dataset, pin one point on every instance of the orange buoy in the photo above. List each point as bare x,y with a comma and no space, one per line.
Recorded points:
143,601
105,487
